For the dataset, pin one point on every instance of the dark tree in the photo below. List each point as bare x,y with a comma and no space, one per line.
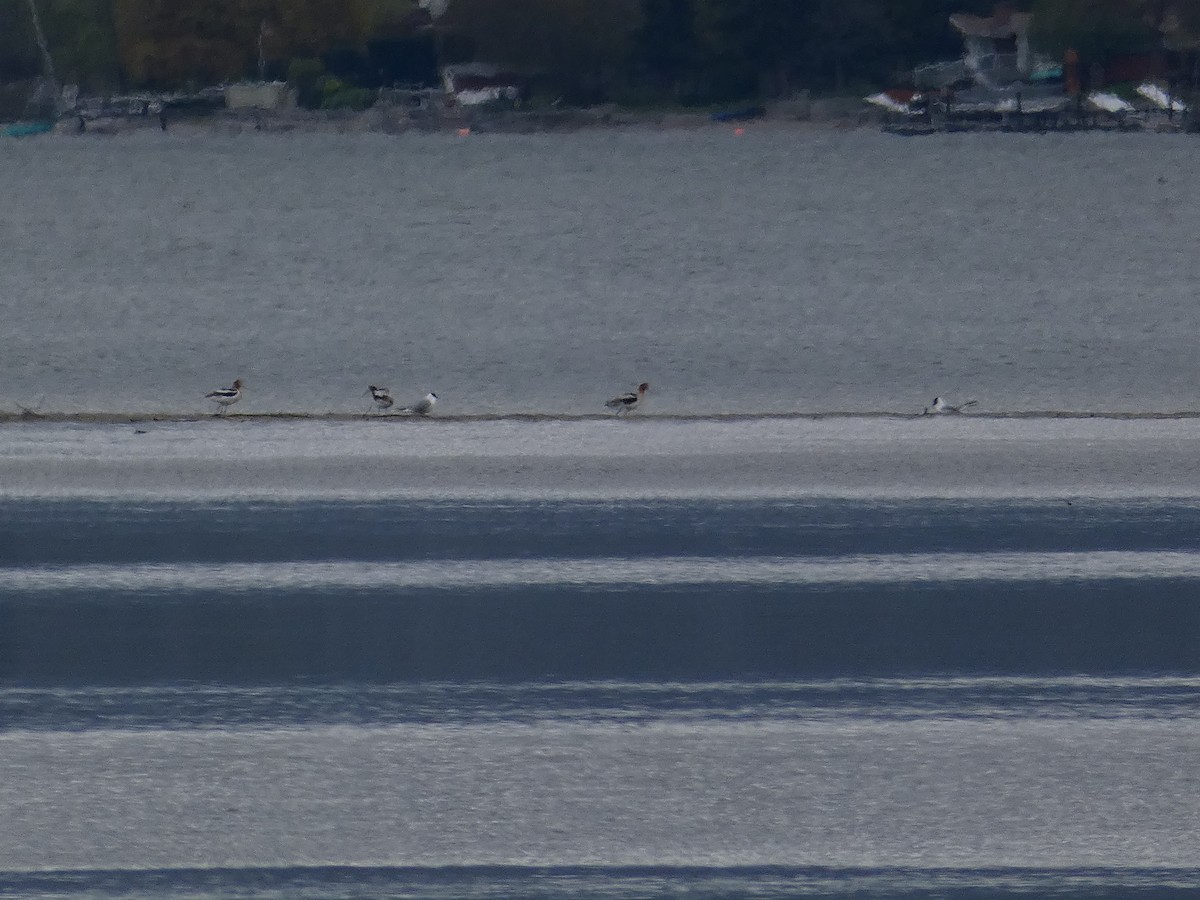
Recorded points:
83,42
19,57
758,43
579,47
666,51
1095,29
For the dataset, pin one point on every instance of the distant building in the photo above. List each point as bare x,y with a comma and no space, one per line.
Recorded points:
996,48
435,7
1000,76
996,55
260,95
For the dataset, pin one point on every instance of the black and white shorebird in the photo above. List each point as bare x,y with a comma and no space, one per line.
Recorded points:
940,406
226,397
628,402
422,407
382,397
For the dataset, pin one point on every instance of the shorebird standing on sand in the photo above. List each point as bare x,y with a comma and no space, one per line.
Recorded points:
422,407
628,402
226,397
939,406
382,397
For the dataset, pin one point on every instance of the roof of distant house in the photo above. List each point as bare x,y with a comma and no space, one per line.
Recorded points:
1003,25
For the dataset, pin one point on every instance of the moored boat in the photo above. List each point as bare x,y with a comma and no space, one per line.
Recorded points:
24,129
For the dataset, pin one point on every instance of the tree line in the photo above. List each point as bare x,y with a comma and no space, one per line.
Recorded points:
582,51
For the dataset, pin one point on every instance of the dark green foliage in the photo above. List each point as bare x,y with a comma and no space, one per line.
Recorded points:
648,51
665,47
336,94
19,56
579,47
83,42
171,43
756,40
410,59
919,30
1095,29
307,75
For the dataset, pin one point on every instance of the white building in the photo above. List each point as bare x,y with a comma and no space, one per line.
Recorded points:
996,48
436,8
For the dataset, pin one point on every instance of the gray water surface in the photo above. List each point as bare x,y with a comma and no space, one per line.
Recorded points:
845,792
487,655
789,269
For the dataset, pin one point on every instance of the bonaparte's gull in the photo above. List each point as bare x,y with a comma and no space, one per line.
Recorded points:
422,407
939,406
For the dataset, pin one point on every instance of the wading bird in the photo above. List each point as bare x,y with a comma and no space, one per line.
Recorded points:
226,397
627,402
382,397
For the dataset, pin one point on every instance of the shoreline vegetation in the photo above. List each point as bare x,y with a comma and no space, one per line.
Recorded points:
526,66
387,117
843,115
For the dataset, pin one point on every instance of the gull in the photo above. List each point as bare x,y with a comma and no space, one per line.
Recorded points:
225,397
382,397
422,407
939,406
626,402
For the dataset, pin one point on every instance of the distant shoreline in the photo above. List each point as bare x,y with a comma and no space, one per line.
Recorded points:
841,116
135,418
383,118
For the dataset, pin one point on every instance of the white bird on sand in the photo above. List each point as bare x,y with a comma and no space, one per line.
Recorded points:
630,401
382,397
422,407
939,406
226,397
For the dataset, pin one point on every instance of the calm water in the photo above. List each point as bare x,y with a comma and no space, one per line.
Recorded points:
782,270
873,654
